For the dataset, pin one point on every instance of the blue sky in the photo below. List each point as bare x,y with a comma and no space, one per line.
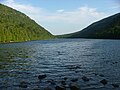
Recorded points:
65,16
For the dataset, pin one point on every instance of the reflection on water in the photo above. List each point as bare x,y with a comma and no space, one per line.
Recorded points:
13,60
71,58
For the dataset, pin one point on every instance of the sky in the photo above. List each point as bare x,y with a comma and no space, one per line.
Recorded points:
65,16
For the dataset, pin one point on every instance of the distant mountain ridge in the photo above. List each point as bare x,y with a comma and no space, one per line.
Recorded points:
107,28
17,27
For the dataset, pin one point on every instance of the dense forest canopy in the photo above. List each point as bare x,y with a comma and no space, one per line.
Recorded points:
17,27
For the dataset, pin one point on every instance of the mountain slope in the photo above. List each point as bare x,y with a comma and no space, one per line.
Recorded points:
17,27
108,28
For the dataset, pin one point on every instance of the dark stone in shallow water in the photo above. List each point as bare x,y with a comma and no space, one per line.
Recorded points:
104,81
96,74
114,62
63,83
76,71
23,84
59,88
74,80
42,76
84,78
115,85
101,75
65,78
74,86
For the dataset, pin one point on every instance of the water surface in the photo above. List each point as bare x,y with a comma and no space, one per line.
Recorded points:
72,58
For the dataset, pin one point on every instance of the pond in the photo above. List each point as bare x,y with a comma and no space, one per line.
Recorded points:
63,61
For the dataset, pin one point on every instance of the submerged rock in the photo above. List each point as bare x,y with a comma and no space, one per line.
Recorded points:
76,71
23,84
63,83
84,78
104,81
74,80
114,62
96,74
60,53
65,78
74,86
101,75
115,85
42,76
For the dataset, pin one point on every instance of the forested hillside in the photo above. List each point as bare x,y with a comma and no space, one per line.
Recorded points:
17,27
108,28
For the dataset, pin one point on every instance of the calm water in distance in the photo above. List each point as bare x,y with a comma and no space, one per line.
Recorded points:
72,58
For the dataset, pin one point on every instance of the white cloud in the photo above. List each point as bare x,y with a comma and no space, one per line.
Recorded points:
27,9
81,16
10,1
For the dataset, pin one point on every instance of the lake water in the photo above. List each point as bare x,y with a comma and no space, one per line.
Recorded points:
72,58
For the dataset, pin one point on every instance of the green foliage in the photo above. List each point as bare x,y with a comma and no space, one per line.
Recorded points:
17,27
108,28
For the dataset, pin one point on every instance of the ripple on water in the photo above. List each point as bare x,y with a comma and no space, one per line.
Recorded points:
22,63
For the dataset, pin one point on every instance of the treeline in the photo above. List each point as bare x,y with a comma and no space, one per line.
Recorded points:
16,27
108,28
